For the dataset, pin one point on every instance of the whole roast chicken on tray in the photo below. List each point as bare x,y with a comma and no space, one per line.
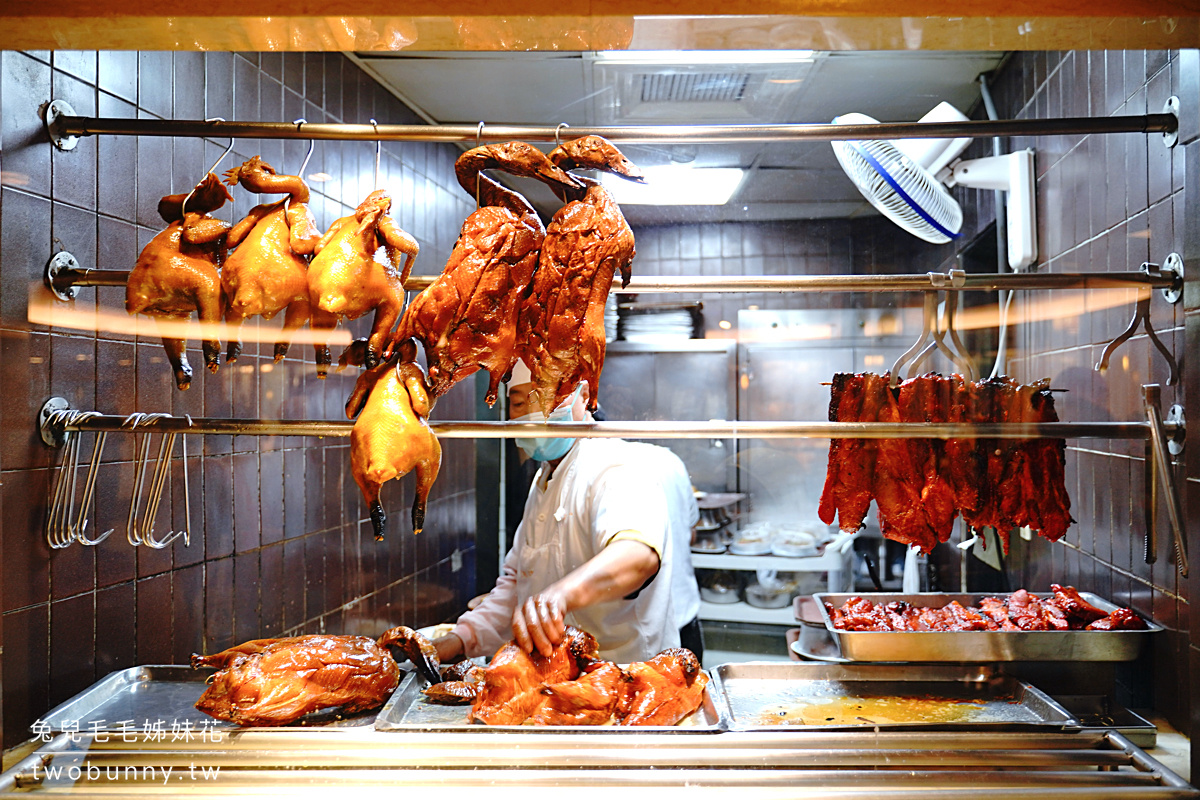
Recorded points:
467,318
267,682
176,273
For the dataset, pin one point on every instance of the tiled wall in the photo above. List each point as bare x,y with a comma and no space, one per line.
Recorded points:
866,246
280,540
1109,203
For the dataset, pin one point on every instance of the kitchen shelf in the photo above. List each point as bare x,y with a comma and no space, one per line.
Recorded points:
744,612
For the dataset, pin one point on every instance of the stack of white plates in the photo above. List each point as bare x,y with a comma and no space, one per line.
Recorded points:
667,325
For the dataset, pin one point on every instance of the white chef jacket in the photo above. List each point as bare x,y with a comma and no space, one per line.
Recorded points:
601,487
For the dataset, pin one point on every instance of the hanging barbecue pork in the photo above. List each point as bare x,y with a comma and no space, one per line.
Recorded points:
268,270
562,319
356,269
921,485
176,273
467,318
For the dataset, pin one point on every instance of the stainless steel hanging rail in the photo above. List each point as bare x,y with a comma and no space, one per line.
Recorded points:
65,125
64,280
637,430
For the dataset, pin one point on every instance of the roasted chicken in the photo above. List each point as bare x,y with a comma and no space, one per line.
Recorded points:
391,437
562,319
591,699
663,690
510,691
356,268
268,270
277,681
1065,610
921,485
459,686
176,273
467,318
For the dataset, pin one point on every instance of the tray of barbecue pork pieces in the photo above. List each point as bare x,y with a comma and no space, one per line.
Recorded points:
1062,625
570,690
832,697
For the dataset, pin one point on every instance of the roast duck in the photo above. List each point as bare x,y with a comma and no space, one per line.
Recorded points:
277,681
176,273
562,320
1066,610
574,687
467,318
357,268
268,271
921,485
391,436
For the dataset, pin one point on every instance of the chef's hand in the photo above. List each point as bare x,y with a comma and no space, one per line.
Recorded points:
540,622
449,647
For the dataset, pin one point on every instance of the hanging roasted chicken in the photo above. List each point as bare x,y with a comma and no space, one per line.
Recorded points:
176,273
268,270
391,437
277,681
356,268
467,318
561,322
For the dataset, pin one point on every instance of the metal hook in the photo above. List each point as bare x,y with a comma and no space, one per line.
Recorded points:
478,137
944,324
133,525
557,129
964,361
89,495
378,150
299,123
928,322
161,468
479,133
1141,316
60,530
217,163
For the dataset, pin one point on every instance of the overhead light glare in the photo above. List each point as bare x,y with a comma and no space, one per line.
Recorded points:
703,57
320,177
677,185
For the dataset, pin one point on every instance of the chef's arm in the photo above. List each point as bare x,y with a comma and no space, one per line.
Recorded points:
622,568
481,631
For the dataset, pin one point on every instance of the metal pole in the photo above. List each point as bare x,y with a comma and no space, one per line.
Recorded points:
637,430
639,134
65,279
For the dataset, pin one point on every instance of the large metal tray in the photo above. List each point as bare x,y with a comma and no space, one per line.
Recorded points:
409,710
980,646
158,698
772,696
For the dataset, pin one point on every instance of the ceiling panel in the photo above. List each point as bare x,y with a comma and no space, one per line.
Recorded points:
785,180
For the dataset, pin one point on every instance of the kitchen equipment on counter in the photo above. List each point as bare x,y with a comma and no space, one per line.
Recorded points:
980,646
719,585
773,695
409,710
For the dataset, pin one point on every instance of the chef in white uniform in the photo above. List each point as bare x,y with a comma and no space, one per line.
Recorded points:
602,545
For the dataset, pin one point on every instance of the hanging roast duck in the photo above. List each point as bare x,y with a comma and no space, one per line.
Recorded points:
176,273
562,318
357,269
268,270
391,437
467,318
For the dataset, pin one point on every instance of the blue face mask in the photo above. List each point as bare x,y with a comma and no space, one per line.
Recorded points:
548,449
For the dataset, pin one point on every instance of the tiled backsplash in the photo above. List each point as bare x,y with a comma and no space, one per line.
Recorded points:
280,540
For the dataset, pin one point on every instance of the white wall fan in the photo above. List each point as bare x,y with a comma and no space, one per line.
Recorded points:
906,181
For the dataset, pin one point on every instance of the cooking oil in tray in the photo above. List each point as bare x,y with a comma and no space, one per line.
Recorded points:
874,711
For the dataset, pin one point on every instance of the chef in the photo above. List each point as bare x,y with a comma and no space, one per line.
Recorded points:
602,545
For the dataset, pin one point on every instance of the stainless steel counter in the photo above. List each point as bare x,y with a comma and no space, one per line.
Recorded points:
762,764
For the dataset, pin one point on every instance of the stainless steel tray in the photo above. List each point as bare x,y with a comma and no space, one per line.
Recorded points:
409,710
1103,713
980,646
158,698
772,696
